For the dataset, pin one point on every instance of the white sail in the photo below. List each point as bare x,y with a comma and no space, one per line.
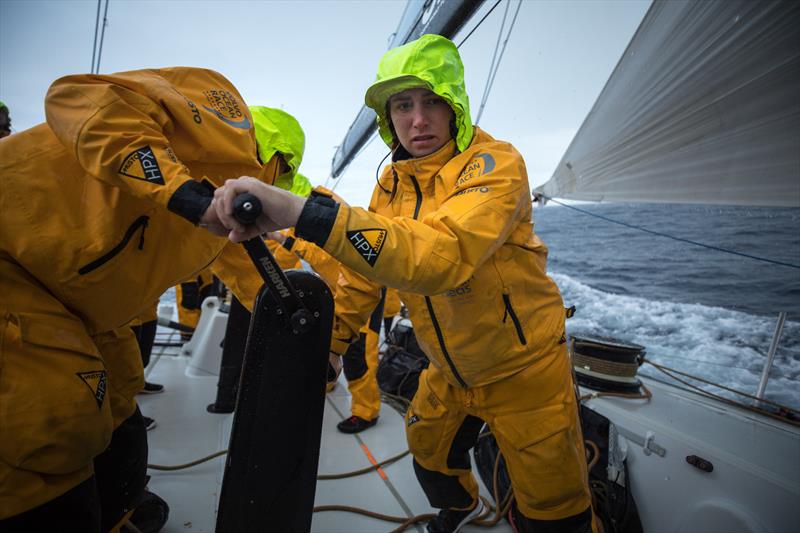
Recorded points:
703,107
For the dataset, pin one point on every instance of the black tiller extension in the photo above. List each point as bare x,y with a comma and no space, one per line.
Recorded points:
271,470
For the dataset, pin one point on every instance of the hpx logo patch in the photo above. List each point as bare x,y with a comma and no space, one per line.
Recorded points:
413,419
482,164
142,165
226,107
368,242
97,382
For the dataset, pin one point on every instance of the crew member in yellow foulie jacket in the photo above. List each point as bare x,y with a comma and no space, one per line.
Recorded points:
102,208
450,226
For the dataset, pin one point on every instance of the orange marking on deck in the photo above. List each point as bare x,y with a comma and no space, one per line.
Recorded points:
374,462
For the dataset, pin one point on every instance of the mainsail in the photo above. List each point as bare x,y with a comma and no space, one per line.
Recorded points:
443,17
703,107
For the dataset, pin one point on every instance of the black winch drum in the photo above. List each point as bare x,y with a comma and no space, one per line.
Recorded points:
605,364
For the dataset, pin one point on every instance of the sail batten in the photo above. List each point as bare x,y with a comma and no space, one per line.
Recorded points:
703,107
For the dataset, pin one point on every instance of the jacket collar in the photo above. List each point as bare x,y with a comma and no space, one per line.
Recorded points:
422,168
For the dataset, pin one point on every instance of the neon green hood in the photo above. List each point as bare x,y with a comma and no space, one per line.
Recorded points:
279,132
433,62
301,186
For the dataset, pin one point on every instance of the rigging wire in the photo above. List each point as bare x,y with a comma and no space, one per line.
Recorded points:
494,56
96,27
680,239
497,46
96,67
478,24
721,365
493,74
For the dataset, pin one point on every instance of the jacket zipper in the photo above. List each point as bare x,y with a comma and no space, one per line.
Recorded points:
514,319
140,222
428,302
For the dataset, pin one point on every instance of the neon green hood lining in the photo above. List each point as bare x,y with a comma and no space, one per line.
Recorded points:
279,132
301,186
433,62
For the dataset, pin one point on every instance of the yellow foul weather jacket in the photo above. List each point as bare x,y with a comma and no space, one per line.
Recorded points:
98,214
90,198
454,233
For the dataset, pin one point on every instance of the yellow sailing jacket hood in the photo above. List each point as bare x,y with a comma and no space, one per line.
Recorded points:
432,62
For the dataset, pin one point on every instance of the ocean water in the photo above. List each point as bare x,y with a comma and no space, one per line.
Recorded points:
701,311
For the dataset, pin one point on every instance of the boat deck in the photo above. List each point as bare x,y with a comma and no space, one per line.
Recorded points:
185,432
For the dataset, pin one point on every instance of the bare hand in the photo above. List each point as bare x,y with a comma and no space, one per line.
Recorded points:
276,236
211,221
281,209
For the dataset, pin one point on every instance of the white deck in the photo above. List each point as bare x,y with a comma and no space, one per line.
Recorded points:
186,432
754,487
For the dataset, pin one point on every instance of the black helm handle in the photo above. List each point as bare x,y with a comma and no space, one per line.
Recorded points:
246,208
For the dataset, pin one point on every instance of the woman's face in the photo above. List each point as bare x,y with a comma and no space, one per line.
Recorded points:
421,120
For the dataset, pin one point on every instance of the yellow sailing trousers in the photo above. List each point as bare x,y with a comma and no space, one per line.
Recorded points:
365,399
534,416
62,392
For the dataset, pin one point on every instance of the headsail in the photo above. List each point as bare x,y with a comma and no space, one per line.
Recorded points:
443,17
703,107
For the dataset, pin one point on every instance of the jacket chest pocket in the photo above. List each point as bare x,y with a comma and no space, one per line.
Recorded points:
511,314
138,227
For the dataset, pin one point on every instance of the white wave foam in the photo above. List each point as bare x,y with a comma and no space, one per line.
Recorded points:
720,345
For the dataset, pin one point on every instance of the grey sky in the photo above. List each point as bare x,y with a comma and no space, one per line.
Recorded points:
315,59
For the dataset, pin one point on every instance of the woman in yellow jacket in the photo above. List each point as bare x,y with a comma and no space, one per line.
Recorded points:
99,215
450,226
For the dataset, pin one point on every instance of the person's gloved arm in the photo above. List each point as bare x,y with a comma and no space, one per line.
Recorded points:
427,256
117,127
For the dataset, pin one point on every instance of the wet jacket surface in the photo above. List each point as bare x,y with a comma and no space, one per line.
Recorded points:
89,199
454,233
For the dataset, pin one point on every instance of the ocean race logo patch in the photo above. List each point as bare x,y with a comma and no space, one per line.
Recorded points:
142,165
482,164
96,381
368,242
226,107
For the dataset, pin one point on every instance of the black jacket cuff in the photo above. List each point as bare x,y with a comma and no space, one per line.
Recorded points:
191,200
317,219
